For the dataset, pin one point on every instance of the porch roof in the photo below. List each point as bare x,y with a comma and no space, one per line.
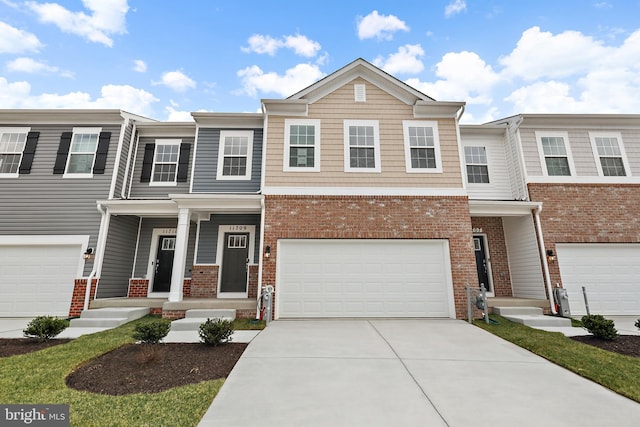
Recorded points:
501,208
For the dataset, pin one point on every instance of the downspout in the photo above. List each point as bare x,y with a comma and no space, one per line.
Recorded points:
97,259
261,257
543,255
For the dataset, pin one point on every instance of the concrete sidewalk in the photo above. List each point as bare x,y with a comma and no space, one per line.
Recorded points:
404,373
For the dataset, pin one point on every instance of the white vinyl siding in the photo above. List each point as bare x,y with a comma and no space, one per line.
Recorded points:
165,162
608,150
235,154
422,147
82,152
500,186
302,146
555,154
361,146
12,143
524,257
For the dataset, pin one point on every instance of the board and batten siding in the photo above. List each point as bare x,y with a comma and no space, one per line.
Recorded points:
144,245
118,257
206,167
524,257
41,203
144,190
499,185
208,239
390,112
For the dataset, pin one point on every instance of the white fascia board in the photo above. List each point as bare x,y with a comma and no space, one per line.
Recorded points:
613,180
501,208
436,109
363,191
141,207
229,120
44,240
61,116
167,129
218,202
286,107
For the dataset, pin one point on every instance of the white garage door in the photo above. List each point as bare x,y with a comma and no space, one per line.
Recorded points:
364,278
609,272
37,280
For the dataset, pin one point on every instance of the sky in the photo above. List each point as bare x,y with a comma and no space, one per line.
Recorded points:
164,59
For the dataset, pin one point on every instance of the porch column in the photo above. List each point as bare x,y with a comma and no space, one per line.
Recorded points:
180,255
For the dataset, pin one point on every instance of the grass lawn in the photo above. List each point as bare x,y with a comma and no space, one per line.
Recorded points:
614,371
39,378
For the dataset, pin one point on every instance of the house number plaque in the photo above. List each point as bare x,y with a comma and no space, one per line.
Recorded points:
238,228
476,230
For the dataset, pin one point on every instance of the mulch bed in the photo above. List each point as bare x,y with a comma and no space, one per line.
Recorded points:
138,368
628,345
15,346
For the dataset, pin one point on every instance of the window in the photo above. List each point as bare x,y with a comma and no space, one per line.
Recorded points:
421,147
361,146
302,145
235,155
611,159
555,153
477,167
82,151
165,162
12,144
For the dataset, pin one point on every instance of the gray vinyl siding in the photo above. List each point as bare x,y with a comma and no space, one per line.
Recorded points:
118,257
41,203
144,190
204,179
122,164
144,245
524,257
208,239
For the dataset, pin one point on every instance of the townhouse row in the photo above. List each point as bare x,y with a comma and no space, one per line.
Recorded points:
358,196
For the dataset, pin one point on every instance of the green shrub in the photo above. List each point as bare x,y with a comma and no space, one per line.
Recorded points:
600,327
152,331
45,327
215,331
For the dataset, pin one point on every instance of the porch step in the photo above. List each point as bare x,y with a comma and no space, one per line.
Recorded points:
108,317
531,316
194,318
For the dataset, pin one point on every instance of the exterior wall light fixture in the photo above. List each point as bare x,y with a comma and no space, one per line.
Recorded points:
551,256
89,254
267,252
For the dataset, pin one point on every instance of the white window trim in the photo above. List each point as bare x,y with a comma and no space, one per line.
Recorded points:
287,132
567,147
223,135
14,130
623,153
486,154
376,146
66,166
173,183
406,124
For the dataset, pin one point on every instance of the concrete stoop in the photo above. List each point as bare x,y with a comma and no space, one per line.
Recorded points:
531,316
194,318
108,317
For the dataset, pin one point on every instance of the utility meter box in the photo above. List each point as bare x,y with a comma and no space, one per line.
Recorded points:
562,299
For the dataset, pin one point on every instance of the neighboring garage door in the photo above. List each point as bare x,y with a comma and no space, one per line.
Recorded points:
609,272
364,278
37,279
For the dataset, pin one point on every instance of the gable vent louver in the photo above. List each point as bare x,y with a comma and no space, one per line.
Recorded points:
360,92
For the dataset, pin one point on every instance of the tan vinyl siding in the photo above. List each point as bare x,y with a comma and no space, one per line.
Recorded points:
390,112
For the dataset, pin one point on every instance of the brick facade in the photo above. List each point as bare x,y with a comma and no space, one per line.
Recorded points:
587,213
379,217
204,281
138,288
492,227
78,296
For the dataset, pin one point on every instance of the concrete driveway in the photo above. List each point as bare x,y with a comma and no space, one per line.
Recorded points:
404,373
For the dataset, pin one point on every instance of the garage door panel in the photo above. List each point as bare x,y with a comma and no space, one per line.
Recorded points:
363,278
609,272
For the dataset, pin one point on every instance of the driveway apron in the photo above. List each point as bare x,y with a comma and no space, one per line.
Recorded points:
404,373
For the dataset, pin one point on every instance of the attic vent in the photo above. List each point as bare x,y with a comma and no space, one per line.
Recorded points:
360,93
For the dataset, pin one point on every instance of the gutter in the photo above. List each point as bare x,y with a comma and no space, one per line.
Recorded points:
543,255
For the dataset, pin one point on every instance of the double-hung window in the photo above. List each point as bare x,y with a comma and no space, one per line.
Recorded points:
12,143
235,155
555,153
477,166
421,147
302,145
361,146
165,162
82,152
611,159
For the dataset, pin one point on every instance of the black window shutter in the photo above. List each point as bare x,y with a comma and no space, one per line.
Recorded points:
183,162
63,152
101,152
147,162
29,152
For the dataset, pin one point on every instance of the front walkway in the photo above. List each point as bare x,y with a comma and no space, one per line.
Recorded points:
404,373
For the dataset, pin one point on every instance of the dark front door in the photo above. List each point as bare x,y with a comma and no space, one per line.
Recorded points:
235,263
164,264
481,262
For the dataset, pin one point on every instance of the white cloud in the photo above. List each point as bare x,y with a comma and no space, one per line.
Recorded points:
139,66
379,26
107,18
255,80
300,44
455,7
13,40
174,115
29,65
177,81
405,61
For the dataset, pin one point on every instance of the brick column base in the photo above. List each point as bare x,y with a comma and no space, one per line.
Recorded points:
204,281
79,292
138,288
